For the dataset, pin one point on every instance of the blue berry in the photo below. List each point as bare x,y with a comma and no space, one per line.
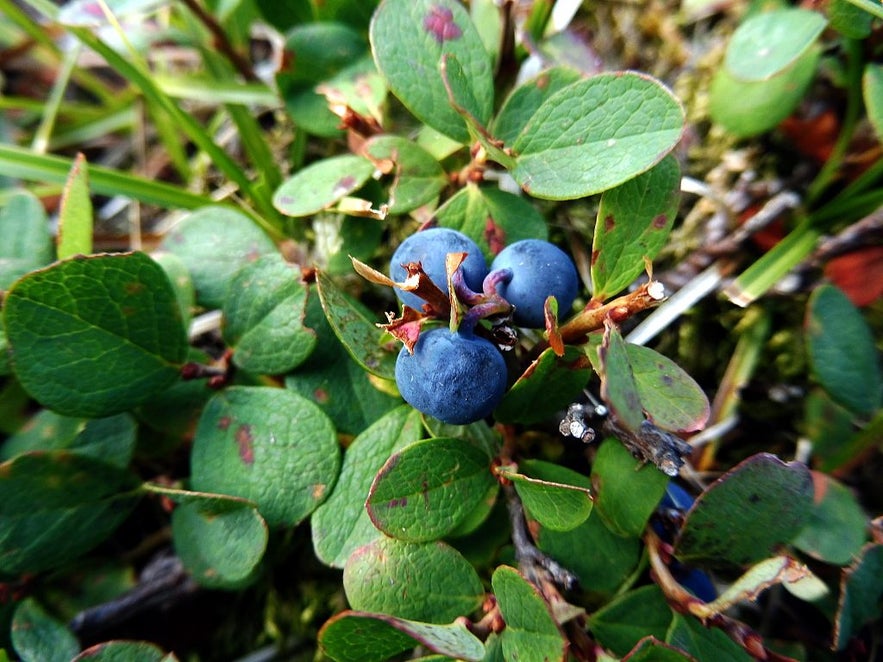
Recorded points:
430,247
457,377
539,269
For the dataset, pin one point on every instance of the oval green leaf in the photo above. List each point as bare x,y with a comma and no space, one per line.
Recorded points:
429,582
220,540
769,42
837,526
601,559
634,222
622,623
321,184
354,636
418,177
341,524
75,212
670,398
842,352
214,243
332,379
526,99
491,217
73,501
425,490
264,314
409,39
27,244
531,633
862,590
548,385
626,490
37,637
596,134
93,336
125,651
872,88
759,504
360,335
555,496
748,108
704,643
267,445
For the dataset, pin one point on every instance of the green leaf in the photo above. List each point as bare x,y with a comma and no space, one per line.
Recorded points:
601,559
124,651
321,184
75,215
841,349
531,633
110,439
872,88
622,623
334,381
796,577
748,108
360,335
634,222
93,336
179,277
619,389
45,431
742,516
860,597
38,637
268,445
491,217
264,314
626,490
418,176
428,488
220,540
214,243
57,505
837,526
704,643
548,385
358,86
409,39
525,100
428,582
768,43
849,20
596,134
317,51
27,244
555,496
353,636
670,398
341,524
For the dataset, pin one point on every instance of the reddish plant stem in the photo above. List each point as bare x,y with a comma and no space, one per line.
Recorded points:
592,317
686,603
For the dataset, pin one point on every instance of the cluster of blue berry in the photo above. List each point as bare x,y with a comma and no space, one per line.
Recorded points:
459,376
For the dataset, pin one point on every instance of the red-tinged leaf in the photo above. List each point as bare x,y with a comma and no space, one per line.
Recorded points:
405,328
859,274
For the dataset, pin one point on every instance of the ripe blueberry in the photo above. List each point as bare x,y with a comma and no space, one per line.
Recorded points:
430,247
456,377
539,269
